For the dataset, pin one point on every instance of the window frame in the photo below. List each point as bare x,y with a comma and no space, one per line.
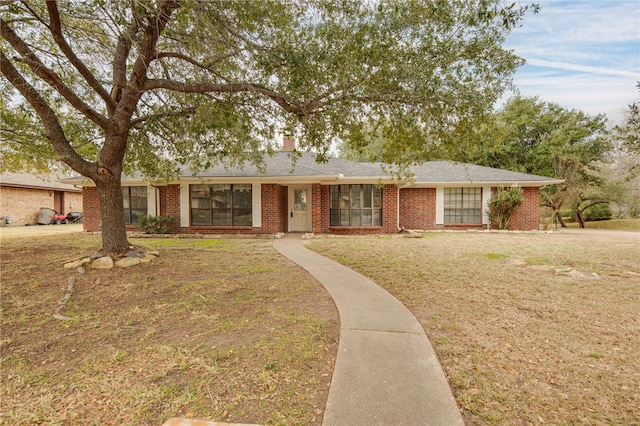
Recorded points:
355,205
456,205
232,201
131,213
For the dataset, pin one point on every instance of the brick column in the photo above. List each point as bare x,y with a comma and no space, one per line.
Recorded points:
92,220
389,209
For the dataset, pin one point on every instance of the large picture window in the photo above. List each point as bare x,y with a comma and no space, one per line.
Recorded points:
463,205
221,205
135,203
355,205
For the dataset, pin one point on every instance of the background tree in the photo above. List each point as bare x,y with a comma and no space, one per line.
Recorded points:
622,172
158,84
543,138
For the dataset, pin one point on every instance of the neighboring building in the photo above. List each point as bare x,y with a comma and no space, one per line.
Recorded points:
22,195
337,197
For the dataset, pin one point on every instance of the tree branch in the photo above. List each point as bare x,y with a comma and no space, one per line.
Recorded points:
192,61
50,121
286,103
48,75
147,48
55,27
123,48
180,113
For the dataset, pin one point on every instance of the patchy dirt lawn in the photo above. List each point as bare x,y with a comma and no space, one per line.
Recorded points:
525,332
225,330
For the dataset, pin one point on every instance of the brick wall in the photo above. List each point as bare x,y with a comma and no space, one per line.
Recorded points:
417,211
389,209
92,219
170,205
527,216
274,209
22,205
320,208
418,208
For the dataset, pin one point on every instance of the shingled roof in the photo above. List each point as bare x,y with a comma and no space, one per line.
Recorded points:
30,181
282,165
447,173
287,167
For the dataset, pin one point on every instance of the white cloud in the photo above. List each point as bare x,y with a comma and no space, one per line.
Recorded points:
581,54
599,70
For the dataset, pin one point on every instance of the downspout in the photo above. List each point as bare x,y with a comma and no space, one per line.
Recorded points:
398,226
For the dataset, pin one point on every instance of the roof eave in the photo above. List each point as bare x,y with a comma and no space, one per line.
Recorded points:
491,183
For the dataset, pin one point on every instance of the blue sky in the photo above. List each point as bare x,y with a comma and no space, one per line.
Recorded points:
583,55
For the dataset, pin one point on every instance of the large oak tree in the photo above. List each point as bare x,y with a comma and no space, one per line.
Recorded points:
125,85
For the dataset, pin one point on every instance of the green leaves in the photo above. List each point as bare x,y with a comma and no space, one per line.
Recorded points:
503,204
421,75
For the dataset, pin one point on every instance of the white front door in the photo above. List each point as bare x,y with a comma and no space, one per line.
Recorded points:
300,208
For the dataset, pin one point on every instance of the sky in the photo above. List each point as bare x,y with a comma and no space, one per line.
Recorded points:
583,55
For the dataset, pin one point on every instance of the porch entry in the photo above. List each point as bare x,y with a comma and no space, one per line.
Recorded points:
300,208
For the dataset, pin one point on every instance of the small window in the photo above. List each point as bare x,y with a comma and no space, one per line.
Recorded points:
135,203
463,206
355,205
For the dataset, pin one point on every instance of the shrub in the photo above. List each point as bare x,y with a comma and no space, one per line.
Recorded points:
155,224
503,204
598,212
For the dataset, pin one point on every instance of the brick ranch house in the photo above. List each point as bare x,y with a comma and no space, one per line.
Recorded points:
337,197
22,195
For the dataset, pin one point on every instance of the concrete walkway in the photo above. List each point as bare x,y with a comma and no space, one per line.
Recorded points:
386,372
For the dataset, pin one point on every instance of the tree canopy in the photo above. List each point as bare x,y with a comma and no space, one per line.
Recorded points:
113,86
533,136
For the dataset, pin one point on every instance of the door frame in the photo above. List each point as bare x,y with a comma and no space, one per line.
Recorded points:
290,201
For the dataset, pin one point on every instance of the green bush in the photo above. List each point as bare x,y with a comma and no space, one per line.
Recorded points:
155,224
598,212
568,215
503,204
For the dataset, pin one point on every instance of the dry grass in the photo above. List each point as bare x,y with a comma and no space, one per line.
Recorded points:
225,330
615,224
520,344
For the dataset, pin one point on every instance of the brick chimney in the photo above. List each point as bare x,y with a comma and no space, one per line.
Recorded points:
288,143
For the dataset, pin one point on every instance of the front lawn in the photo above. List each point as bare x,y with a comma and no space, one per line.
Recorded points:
224,330
529,328
613,224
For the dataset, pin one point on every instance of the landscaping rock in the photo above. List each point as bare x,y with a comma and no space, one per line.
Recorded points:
126,262
147,258
96,255
77,263
135,254
102,263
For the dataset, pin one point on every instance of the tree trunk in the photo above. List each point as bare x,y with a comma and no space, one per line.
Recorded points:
559,216
114,235
580,218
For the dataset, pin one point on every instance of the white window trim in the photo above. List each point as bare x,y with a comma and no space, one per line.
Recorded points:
184,205
486,198
440,206
256,205
484,218
151,201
